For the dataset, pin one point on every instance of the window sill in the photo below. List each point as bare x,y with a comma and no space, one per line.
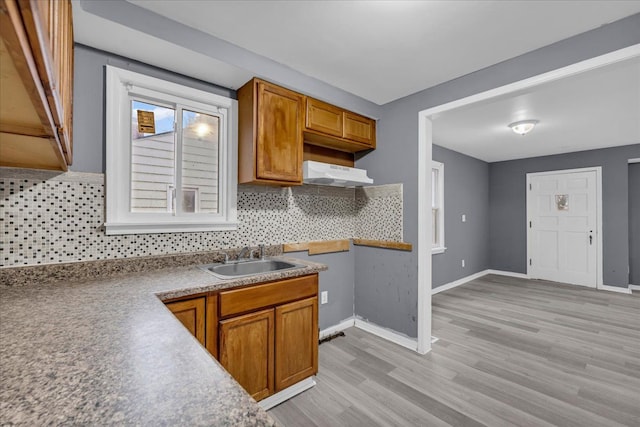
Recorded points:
113,229
438,250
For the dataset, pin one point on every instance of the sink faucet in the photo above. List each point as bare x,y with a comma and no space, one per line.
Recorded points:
261,246
243,252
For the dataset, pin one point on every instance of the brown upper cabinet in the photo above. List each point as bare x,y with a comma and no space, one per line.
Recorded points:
332,127
278,128
36,82
269,134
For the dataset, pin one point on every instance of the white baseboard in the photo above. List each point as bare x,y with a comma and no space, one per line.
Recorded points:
615,289
345,324
287,393
634,287
387,334
508,273
458,282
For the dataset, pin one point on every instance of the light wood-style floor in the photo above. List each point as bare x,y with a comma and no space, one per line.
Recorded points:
510,352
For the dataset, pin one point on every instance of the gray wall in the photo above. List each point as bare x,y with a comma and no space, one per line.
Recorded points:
381,290
89,101
338,280
634,224
466,191
140,19
508,214
395,160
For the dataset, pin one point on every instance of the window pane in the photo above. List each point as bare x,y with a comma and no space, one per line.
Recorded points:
200,138
434,188
152,157
434,227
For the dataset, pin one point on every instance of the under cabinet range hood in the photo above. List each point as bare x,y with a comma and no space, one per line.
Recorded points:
338,176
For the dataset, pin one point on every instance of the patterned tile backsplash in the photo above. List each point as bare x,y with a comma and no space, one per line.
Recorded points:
52,217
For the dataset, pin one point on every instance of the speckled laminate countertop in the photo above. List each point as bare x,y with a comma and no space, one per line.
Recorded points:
108,352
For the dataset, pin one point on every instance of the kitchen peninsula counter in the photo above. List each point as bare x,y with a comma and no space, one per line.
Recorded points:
107,351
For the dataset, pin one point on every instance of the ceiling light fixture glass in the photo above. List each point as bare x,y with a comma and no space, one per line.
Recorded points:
523,127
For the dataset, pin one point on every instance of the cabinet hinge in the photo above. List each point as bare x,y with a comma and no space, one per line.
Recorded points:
529,224
530,188
530,262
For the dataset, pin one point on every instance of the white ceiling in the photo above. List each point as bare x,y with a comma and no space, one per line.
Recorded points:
595,109
385,50
90,30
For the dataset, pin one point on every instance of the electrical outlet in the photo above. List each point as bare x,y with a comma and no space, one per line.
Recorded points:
324,297
464,218
462,263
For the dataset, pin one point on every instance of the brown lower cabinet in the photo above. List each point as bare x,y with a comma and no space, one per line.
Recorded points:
265,335
246,351
191,313
296,342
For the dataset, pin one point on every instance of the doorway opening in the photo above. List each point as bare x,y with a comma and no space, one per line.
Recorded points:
425,142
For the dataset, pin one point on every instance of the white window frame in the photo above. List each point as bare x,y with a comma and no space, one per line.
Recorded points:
122,85
440,247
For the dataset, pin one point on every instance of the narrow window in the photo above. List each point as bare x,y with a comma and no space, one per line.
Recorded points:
437,207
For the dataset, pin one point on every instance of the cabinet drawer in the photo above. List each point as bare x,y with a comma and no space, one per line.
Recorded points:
238,301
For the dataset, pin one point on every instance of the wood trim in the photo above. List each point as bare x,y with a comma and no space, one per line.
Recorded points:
295,247
211,325
329,246
317,247
325,247
386,244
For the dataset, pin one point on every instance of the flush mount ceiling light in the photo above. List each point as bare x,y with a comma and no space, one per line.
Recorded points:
523,127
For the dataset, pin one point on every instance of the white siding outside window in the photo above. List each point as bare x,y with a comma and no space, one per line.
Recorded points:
437,207
177,174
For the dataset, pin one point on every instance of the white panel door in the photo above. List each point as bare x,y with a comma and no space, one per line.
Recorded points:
562,215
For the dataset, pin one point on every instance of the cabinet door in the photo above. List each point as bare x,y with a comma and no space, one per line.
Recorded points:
296,342
246,351
49,26
324,118
279,137
191,313
360,129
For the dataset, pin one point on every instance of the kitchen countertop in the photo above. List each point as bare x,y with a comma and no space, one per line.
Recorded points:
107,351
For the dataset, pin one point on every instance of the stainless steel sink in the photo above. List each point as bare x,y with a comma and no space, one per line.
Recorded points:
248,268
